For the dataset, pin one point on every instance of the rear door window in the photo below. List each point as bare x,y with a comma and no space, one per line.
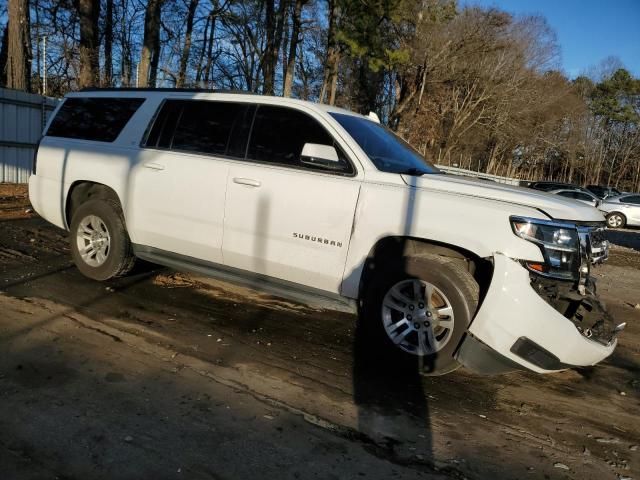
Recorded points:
215,128
99,119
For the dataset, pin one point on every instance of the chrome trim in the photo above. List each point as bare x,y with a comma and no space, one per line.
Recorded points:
549,223
590,253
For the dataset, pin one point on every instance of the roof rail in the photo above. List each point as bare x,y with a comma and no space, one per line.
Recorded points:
145,89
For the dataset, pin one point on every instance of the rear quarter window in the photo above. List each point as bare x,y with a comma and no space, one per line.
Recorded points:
98,119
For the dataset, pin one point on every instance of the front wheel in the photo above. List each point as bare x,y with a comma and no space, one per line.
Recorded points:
616,220
421,310
100,245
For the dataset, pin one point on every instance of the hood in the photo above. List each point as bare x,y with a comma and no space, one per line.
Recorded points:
555,206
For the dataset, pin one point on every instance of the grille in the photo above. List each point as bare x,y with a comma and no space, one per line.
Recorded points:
598,246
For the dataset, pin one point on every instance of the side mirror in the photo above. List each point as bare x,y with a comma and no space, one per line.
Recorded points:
321,156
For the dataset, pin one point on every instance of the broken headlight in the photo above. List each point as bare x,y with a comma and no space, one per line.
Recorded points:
558,243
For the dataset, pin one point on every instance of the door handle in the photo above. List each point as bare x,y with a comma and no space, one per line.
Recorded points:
246,181
153,166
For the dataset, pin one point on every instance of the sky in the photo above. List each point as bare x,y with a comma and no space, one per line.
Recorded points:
588,30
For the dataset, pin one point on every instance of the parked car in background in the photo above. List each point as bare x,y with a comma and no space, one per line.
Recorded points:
549,186
622,210
294,196
601,191
579,195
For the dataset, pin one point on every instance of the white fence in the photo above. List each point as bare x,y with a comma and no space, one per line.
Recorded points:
486,176
22,118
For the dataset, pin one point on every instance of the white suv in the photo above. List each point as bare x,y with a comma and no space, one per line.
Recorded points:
297,196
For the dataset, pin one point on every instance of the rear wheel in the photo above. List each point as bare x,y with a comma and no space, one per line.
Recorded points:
421,310
616,220
100,245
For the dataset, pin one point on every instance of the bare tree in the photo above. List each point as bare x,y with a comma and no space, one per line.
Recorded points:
330,79
4,46
209,24
471,86
108,45
150,57
290,65
18,67
186,49
89,13
274,21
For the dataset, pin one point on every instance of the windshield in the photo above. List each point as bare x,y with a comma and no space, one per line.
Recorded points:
387,151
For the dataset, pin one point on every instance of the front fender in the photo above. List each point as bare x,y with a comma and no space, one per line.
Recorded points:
480,226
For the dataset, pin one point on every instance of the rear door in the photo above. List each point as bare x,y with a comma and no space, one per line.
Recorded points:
283,219
180,178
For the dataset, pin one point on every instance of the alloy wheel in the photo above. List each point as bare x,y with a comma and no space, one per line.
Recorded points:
614,221
417,317
94,240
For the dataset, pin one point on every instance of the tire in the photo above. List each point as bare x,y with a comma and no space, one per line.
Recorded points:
616,220
101,219
454,290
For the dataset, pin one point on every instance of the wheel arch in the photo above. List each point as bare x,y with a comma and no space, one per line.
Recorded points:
82,190
397,248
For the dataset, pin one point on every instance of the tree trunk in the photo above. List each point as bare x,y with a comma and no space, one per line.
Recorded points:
108,45
18,68
207,68
286,39
150,56
89,13
304,77
274,26
330,77
125,57
293,47
184,58
205,37
4,41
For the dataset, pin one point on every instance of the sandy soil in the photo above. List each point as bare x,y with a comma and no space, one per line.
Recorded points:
169,375
14,201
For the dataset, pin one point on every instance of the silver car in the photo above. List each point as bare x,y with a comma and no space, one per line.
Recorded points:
622,210
579,195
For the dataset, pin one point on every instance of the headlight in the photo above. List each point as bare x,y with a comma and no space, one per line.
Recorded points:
558,243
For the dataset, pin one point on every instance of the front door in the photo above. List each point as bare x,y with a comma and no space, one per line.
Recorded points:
282,219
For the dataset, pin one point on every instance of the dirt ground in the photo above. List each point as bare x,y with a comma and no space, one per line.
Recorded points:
170,375
14,202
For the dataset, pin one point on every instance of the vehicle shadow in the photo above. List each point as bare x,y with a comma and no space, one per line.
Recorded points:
388,386
388,394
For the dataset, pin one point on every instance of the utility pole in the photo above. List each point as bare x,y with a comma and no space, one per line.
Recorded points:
44,65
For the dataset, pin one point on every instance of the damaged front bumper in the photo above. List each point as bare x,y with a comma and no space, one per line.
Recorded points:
536,324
